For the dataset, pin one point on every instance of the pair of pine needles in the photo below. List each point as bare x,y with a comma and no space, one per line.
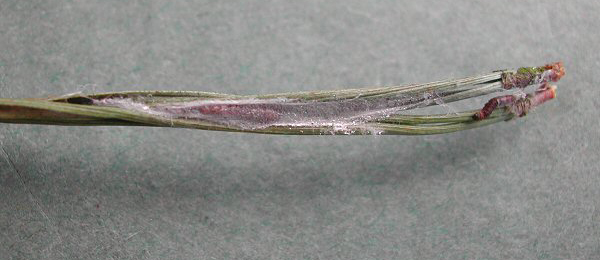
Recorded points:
349,111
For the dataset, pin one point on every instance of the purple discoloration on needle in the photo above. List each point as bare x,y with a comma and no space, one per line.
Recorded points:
262,113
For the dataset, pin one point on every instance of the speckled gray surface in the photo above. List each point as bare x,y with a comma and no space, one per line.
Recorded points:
526,189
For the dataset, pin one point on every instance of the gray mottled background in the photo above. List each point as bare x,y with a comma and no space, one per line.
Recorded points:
525,189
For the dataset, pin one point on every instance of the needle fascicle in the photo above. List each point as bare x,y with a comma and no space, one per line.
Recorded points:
378,110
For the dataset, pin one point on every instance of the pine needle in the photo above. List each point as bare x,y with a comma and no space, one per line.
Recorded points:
349,111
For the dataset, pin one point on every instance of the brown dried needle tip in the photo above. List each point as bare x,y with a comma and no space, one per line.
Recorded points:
522,106
526,76
517,106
